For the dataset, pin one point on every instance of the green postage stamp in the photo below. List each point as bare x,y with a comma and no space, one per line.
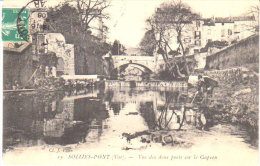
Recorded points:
9,24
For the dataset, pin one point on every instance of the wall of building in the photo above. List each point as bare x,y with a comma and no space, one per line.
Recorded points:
17,67
244,52
217,31
244,29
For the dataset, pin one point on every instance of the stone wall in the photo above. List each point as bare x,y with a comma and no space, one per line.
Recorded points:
227,75
244,52
57,44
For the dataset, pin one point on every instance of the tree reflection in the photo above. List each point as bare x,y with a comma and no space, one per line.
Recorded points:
168,111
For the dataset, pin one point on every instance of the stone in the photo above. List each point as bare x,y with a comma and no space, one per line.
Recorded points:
244,69
243,91
193,80
167,139
244,76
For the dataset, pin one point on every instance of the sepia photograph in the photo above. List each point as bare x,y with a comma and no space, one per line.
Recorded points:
129,82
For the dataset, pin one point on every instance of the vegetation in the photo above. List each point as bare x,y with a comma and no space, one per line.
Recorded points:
118,48
77,20
169,21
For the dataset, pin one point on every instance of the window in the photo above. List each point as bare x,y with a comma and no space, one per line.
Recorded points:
209,31
41,44
222,32
197,35
196,51
197,42
187,40
198,23
235,28
229,32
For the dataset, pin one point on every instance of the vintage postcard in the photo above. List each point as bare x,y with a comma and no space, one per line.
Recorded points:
130,82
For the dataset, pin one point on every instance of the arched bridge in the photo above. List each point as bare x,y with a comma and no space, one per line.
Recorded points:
143,63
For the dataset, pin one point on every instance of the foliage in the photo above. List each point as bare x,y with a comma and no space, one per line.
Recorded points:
216,44
118,48
148,43
168,22
75,19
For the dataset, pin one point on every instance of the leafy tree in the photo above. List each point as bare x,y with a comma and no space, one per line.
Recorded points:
148,43
75,20
118,48
170,21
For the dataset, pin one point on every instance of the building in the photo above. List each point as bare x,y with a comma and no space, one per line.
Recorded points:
44,51
198,33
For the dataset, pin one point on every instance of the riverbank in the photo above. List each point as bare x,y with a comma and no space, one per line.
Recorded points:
237,100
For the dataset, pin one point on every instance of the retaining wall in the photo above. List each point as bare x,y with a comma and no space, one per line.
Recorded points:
244,52
227,75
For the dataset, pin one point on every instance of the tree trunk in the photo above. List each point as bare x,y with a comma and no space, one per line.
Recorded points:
183,53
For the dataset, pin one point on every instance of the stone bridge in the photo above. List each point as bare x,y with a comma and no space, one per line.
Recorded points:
141,62
134,65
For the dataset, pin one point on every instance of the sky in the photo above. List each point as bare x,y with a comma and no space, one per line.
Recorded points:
127,17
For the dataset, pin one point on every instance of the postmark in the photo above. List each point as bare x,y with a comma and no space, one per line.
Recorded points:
19,23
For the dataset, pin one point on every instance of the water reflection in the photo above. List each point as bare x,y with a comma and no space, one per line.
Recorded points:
94,115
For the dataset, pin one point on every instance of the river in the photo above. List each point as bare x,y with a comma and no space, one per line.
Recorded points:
125,121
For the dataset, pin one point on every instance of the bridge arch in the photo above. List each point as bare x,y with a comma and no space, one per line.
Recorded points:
132,71
141,67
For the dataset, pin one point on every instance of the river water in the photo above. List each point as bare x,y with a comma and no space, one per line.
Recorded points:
130,122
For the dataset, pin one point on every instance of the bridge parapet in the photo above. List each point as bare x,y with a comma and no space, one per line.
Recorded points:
147,61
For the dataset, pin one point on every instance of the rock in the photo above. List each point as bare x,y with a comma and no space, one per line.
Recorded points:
244,75
132,113
189,105
143,140
244,69
234,119
251,76
193,80
203,119
243,91
167,139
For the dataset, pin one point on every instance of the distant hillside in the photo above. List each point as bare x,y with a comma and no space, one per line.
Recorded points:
133,51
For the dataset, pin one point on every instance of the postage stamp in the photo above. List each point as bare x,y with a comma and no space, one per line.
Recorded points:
9,24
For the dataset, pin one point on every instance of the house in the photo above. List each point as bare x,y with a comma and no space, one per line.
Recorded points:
221,29
244,26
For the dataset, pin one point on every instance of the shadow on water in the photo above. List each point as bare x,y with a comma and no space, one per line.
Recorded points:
171,120
53,118
78,117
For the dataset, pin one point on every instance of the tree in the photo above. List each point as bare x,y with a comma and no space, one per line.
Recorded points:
118,48
254,10
89,11
76,19
168,22
148,43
